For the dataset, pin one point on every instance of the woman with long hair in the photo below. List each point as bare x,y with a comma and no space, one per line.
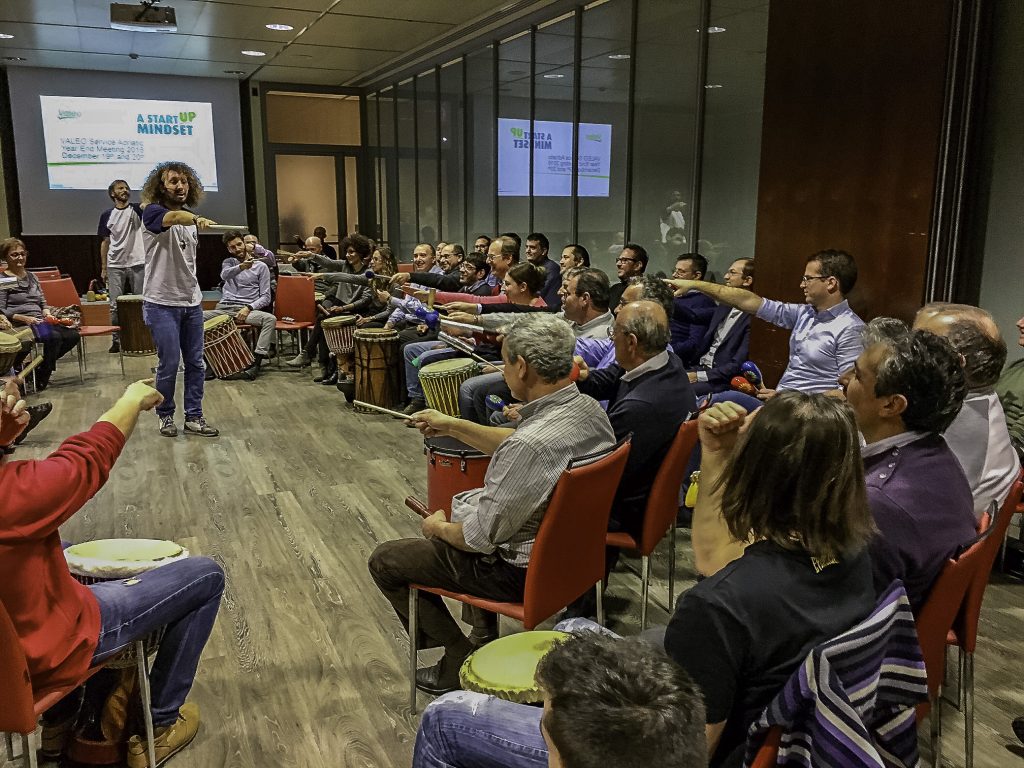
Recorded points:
24,306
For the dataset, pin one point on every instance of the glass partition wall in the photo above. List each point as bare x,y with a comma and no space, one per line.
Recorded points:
619,121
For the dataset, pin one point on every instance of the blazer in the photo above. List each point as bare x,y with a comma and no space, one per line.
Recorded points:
730,355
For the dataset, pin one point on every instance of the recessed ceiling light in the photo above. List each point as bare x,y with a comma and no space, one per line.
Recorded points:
712,85
254,53
551,76
280,27
14,58
233,72
618,56
715,30
5,36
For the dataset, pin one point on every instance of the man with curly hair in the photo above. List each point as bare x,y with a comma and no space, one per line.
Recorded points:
172,305
906,388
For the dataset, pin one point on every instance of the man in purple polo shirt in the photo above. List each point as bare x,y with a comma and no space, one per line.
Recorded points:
825,338
906,388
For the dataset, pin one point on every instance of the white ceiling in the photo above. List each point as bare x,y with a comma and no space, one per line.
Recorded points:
333,41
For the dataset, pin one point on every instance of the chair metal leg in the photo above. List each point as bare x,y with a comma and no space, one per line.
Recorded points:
9,743
935,730
120,358
81,361
968,684
600,602
147,701
672,569
645,585
414,595
28,750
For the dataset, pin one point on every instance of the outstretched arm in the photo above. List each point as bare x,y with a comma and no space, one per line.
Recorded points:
741,298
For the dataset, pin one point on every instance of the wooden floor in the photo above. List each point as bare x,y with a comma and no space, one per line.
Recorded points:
307,663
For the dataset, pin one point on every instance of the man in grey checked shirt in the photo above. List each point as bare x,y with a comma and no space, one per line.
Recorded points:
486,547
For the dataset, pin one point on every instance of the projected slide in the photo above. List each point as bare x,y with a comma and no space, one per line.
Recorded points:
552,158
89,142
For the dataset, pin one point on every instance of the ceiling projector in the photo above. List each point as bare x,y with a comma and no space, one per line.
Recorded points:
145,17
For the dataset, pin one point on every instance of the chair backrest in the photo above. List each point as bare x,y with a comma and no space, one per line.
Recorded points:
405,267
663,499
46,273
966,623
17,715
940,610
568,555
60,293
295,299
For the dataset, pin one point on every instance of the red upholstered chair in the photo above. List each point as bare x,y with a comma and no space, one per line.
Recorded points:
409,268
964,633
62,293
295,301
46,273
934,622
660,515
568,554
22,709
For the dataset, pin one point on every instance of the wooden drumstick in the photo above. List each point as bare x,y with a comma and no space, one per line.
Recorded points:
463,347
388,411
417,506
29,368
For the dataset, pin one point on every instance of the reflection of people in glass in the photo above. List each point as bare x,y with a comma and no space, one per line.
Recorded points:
672,215
675,240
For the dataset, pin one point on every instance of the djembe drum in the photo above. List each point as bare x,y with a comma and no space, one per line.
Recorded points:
378,379
441,382
112,560
506,667
339,333
10,346
225,350
134,334
452,467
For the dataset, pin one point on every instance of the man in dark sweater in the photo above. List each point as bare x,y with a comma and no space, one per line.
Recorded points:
906,388
648,394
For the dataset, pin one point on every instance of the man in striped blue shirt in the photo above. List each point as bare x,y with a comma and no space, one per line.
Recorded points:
486,547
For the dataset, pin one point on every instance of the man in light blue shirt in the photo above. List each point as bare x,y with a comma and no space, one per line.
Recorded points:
826,334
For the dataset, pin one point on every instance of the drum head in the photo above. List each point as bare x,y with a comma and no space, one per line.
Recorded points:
506,667
129,298
213,322
375,334
449,446
443,367
112,558
339,321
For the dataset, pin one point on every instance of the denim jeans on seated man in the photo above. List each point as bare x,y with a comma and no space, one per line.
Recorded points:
177,332
423,353
474,392
182,596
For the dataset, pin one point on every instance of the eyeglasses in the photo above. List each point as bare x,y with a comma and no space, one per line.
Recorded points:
683,273
612,330
808,278
624,259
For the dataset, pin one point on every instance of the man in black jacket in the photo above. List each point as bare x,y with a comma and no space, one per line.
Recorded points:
450,258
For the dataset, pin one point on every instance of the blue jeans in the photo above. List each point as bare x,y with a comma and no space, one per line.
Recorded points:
478,731
424,353
183,596
473,396
177,332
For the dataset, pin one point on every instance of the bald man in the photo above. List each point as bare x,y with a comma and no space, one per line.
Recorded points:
978,436
649,395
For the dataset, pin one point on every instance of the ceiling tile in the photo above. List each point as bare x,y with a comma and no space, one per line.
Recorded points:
325,57
304,75
442,11
372,33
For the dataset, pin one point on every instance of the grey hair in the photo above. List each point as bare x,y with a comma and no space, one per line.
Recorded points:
545,342
883,330
974,334
648,325
655,289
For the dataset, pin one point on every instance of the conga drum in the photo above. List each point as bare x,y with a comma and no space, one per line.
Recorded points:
10,346
441,382
226,352
506,667
134,334
452,467
378,379
338,333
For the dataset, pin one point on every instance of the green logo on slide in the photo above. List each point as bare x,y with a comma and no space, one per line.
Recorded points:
517,132
68,114
593,137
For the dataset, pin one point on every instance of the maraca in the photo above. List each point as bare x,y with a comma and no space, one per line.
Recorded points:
369,274
495,403
740,384
752,374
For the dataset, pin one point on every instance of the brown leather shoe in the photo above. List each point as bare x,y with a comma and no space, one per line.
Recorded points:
169,743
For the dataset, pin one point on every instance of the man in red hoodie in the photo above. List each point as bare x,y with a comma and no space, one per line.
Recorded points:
64,626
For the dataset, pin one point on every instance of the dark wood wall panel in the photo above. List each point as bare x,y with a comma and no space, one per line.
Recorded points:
79,257
852,119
